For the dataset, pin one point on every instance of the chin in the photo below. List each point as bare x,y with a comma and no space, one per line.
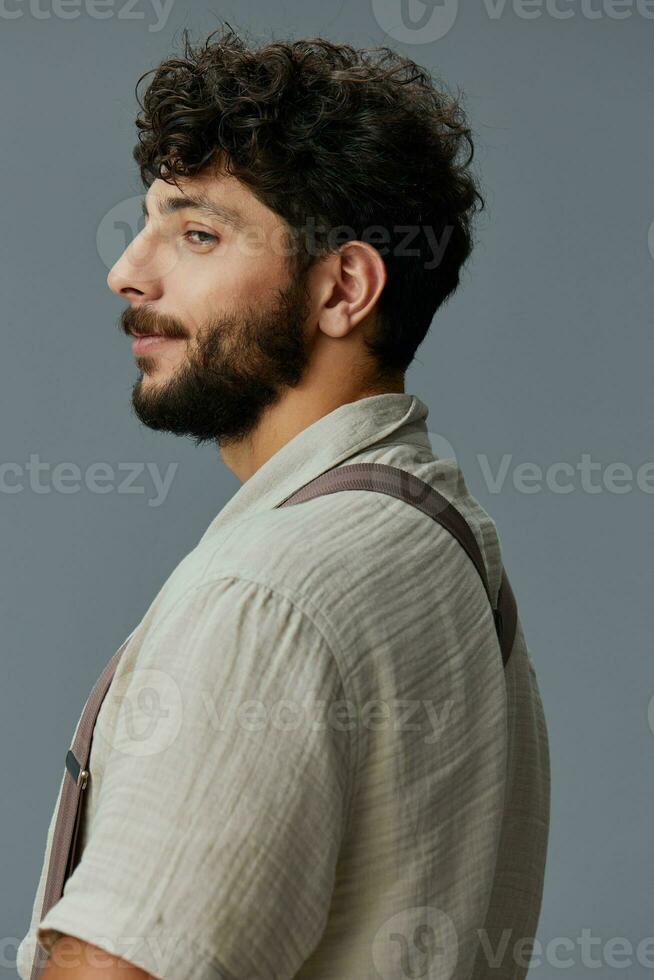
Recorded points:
152,365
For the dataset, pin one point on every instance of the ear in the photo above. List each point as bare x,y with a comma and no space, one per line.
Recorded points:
352,281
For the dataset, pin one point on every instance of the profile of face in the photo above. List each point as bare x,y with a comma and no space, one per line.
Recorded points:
217,316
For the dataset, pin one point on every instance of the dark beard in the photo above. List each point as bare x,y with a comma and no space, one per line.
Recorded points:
236,367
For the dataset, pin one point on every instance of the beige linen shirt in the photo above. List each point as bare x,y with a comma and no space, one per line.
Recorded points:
311,762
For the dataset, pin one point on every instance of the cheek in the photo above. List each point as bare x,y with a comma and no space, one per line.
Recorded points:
250,275
225,281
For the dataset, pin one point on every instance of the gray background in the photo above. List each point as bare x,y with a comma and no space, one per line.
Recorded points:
545,354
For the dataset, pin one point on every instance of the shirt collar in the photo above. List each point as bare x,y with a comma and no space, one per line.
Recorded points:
331,439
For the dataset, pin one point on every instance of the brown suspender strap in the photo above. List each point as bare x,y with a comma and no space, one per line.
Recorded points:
410,488
63,856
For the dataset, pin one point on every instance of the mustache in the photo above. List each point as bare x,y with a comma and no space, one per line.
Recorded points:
140,321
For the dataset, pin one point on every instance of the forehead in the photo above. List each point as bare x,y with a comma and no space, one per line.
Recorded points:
221,196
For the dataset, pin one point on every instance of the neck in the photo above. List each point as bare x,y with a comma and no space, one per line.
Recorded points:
297,409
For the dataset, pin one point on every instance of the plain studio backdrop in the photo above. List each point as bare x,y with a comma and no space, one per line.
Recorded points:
538,374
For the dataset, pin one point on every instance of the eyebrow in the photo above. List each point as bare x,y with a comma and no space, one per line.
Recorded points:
198,202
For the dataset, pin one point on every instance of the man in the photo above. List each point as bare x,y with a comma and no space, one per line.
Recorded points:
311,762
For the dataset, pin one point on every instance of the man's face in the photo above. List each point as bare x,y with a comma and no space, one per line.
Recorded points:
213,285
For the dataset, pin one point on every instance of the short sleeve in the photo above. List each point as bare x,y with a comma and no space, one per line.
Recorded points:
213,849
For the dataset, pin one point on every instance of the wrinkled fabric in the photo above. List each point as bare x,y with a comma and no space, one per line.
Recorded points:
311,762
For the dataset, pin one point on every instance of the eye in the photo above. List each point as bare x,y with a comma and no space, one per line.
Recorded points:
207,238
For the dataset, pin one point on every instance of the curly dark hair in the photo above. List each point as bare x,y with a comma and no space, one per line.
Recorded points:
330,137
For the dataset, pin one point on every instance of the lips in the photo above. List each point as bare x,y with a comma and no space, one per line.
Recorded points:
143,342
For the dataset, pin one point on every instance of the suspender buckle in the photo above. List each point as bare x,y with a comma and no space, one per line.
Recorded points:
80,776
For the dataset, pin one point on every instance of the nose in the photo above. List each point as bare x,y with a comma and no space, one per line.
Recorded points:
136,274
